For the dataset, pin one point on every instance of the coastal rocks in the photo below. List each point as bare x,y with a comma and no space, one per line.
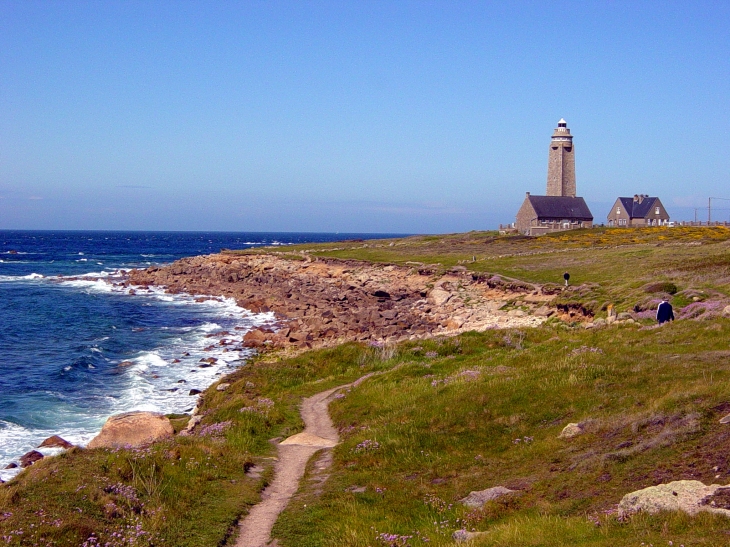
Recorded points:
132,429
570,431
688,496
29,458
479,498
438,297
222,387
55,442
322,302
192,423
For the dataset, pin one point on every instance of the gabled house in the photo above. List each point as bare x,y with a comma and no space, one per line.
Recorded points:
542,214
641,210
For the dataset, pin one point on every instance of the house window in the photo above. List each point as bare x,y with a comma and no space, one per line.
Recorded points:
618,210
656,210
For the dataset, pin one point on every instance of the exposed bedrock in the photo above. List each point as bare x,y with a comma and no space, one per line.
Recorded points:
320,302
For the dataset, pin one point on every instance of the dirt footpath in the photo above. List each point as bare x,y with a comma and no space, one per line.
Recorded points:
293,455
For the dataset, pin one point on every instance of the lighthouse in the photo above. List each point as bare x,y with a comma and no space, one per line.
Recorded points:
561,162
560,209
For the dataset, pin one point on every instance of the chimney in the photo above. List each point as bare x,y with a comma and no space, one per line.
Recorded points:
527,194
636,198
641,197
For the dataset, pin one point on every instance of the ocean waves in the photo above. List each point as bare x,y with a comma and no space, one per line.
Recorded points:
133,348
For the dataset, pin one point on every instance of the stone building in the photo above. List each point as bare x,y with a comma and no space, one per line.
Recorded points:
641,210
543,214
560,209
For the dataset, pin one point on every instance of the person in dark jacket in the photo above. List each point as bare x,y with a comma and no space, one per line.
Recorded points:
664,312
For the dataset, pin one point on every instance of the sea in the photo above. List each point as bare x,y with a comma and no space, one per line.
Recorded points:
76,348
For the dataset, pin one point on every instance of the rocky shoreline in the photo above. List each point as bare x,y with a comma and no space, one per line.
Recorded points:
323,302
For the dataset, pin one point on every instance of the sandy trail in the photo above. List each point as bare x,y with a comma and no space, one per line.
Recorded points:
293,455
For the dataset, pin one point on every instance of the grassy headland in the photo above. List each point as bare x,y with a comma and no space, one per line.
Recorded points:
447,416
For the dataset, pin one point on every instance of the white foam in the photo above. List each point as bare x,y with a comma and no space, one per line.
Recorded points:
29,277
152,381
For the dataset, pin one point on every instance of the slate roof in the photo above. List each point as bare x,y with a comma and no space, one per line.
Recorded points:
560,208
636,209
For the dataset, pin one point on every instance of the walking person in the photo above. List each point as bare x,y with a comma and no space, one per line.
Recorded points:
664,312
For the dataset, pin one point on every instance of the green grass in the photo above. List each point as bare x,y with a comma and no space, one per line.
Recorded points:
449,424
444,418
189,491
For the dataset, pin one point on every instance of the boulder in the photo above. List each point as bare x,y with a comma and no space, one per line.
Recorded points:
726,311
544,311
438,297
192,423
55,442
11,465
479,498
29,458
133,429
623,316
688,496
222,387
570,431
254,335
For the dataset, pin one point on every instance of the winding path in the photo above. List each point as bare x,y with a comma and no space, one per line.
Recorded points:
293,455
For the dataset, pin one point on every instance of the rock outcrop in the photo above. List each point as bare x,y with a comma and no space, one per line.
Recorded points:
688,496
28,459
133,429
479,498
323,302
570,431
55,442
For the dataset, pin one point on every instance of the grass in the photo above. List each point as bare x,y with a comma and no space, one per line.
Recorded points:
482,413
445,417
188,491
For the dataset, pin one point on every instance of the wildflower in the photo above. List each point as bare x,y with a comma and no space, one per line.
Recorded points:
213,430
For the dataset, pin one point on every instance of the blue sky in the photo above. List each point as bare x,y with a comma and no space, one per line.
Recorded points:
353,116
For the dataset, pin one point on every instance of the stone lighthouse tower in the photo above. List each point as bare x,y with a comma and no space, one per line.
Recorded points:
561,162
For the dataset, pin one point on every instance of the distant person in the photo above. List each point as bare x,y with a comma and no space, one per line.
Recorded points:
664,312
566,276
